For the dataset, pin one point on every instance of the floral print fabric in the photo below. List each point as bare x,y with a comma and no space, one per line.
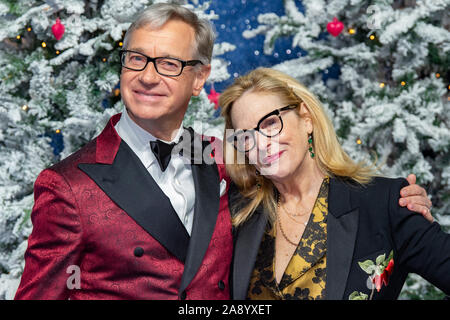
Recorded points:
305,274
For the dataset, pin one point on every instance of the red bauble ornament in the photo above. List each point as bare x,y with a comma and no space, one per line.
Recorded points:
335,27
58,29
213,96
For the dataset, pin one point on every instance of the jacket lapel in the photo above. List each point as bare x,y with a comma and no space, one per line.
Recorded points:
342,226
247,242
206,210
123,178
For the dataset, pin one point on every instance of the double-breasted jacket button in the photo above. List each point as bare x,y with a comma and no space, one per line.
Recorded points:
138,252
221,285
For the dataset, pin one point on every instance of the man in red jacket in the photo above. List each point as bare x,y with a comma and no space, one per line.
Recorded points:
125,217
119,219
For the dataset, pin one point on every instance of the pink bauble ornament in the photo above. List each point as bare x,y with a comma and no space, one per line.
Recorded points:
335,27
58,29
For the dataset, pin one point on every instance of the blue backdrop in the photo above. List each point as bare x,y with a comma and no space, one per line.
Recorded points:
236,16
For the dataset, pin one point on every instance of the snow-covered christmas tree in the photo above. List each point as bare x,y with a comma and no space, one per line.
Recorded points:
381,69
59,84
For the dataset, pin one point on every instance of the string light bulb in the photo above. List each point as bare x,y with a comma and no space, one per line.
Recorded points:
25,107
358,141
18,37
382,84
438,75
372,37
403,83
43,44
58,131
351,31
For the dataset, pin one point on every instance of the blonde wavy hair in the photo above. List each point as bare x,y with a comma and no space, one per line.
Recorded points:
331,159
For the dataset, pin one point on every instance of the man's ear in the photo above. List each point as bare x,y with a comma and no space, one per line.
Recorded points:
200,78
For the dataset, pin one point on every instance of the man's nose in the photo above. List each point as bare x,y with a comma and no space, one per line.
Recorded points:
149,75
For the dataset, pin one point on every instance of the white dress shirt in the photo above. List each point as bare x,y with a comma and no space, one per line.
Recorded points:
176,181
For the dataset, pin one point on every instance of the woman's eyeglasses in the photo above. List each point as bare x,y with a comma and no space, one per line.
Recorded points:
270,126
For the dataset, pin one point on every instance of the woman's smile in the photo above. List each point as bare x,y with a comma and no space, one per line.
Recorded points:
270,159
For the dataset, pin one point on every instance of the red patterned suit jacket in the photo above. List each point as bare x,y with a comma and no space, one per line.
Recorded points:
103,229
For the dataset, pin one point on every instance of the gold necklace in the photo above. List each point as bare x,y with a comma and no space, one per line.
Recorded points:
284,234
281,227
296,221
292,214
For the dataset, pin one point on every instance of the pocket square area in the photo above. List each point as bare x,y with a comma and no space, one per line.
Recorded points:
223,187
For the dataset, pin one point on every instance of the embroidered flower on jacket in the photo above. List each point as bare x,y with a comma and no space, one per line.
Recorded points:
378,271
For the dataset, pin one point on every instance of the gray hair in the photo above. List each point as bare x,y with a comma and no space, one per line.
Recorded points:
158,14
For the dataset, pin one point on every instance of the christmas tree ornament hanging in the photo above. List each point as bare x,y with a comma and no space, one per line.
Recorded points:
213,96
335,27
58,29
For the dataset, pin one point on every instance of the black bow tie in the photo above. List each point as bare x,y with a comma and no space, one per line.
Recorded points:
162,152
187,149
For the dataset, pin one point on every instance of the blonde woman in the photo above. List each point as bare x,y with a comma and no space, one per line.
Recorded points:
310,223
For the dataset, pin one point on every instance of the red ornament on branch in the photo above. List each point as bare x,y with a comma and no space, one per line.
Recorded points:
213,96
335,27
58,29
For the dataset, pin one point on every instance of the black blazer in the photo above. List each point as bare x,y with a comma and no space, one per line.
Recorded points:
362,224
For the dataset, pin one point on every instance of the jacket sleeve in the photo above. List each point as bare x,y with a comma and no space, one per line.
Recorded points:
54,246
422,247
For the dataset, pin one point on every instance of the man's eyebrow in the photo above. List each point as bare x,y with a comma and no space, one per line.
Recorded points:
164,55
136,49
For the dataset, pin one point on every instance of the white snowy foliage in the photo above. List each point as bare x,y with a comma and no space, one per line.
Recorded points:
219,71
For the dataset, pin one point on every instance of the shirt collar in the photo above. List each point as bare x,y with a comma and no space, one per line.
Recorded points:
139,139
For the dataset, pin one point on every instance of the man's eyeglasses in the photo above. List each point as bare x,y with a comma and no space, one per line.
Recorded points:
270,126
170,67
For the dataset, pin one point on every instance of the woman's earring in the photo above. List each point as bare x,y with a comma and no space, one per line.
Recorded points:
258,180
310,143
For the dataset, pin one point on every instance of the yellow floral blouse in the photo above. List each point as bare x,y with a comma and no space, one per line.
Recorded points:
304,277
